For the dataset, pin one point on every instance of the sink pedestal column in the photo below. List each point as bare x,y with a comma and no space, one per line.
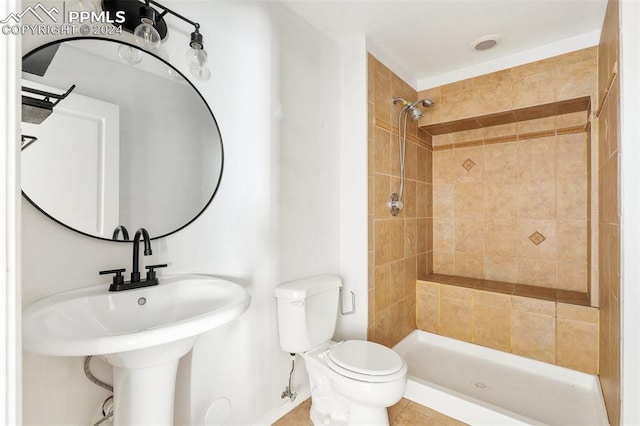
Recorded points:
144,383
144,396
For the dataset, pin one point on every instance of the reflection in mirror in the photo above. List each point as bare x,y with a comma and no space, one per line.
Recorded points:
133,146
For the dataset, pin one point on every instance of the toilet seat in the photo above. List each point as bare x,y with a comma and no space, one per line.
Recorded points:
366,361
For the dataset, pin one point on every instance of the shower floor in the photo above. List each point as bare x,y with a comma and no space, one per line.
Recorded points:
483,386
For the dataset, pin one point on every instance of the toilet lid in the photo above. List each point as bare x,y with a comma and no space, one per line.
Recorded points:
365,357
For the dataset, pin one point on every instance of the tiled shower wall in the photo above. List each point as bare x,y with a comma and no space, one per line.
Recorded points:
511,202
399,246
609,216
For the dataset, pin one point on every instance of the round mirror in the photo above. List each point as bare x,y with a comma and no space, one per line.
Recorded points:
132,144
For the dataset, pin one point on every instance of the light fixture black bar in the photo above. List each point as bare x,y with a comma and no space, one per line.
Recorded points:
166,10
48,95
26,141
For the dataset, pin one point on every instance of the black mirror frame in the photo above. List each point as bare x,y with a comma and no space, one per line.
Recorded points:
215,190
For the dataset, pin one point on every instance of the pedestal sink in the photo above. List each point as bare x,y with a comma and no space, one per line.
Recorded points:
142,333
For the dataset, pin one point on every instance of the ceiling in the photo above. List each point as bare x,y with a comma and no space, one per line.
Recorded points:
427,42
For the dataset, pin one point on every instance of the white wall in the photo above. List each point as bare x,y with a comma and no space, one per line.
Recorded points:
630,206
275,92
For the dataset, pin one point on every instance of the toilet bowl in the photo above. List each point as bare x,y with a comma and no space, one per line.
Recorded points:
353,382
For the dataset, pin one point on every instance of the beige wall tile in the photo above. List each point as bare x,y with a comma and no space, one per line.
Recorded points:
455,318
492,326
536,200
534,336
572,198
381,151
500,236
571,120
527,304
495,96
537,125
454,292
421,164
572,240
411,156
382,290
577,313
501,199
501,268
443,235
471,158
443,198
469,264
409,198
423,198
443,262
410,237
501,162
468,234
428,308
533,89
468,199
536,159
442,167
396,281
410,277
527,248
537,271
577,345
421,238
381,193
396,239
382,92
572,275
576,79
382,242
571,155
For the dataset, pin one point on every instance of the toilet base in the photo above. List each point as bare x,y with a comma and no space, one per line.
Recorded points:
354,415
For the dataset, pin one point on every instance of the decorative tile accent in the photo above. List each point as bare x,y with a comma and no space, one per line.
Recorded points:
537,238
468,164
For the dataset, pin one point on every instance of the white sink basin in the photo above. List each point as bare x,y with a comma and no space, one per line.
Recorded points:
94,321
142,333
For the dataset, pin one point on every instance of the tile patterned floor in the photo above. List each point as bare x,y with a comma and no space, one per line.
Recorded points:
404,413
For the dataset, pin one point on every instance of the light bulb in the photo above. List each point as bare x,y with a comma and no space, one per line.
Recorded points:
203,74
147,36
129,54
196,58
81,6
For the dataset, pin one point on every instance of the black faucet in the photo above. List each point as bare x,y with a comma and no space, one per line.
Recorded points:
118,281
135,273
116,233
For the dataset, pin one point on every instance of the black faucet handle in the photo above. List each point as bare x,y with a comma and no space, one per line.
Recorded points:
118,279
151,270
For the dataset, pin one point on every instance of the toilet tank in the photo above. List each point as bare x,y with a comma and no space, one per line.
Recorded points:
307,312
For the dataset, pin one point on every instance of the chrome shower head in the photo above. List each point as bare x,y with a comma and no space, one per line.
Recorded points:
426,102
416,114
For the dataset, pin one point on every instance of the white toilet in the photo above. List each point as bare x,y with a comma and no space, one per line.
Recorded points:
352,382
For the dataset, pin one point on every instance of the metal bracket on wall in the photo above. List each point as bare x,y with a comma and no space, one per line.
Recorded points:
353,304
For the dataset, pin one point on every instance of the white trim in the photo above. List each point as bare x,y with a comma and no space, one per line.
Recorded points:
10,353
274,415
567,45
630,209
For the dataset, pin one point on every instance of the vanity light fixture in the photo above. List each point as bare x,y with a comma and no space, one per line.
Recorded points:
35,110
149,28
